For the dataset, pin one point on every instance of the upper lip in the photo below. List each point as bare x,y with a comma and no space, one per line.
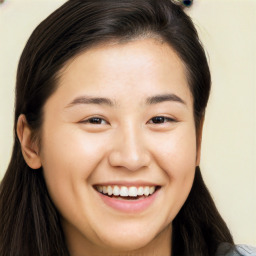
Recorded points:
127,183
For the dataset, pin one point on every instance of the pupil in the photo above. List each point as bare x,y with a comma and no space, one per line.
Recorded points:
158,119
95,120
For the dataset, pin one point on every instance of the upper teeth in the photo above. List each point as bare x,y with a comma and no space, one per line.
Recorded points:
126,191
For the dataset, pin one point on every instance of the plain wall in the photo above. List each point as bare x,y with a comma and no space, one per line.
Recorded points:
228,162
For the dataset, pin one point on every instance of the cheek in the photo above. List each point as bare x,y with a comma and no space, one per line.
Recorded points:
71,150
178,160
176,151
176,156
68,157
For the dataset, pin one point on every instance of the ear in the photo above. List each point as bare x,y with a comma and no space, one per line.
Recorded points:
29,148
199,141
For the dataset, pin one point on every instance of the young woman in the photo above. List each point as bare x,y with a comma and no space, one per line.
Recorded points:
110,103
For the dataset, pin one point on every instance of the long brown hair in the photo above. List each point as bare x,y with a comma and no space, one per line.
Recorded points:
29,222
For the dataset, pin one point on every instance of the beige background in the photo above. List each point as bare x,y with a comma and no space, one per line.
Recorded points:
227,29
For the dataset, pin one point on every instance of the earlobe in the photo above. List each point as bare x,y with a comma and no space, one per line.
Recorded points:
28,147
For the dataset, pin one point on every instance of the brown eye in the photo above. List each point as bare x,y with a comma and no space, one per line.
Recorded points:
161,119
95,120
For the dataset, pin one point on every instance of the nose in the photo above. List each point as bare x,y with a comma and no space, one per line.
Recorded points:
129,150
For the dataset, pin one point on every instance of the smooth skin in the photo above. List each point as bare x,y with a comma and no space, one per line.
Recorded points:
85,143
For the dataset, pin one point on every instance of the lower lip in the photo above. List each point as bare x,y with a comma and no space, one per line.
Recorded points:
129,206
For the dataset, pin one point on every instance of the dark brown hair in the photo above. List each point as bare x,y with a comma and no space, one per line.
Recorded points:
29,222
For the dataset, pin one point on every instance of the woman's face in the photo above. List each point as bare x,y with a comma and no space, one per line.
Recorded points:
122,120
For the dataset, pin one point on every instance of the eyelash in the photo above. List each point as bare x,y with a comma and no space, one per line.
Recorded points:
167,119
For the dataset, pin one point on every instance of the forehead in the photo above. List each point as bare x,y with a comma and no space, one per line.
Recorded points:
143,67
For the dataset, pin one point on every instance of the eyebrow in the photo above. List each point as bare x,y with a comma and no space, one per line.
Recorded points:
111,103
164,97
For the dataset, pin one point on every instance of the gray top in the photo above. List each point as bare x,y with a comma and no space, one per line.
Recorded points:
226,249
246,250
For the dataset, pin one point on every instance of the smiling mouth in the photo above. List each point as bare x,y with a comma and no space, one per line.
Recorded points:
127,193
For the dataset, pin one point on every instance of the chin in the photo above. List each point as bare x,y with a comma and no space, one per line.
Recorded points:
126,242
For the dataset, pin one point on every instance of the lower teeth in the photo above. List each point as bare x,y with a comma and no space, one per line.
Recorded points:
129,198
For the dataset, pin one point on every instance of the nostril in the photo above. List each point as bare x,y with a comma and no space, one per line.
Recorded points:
131,161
